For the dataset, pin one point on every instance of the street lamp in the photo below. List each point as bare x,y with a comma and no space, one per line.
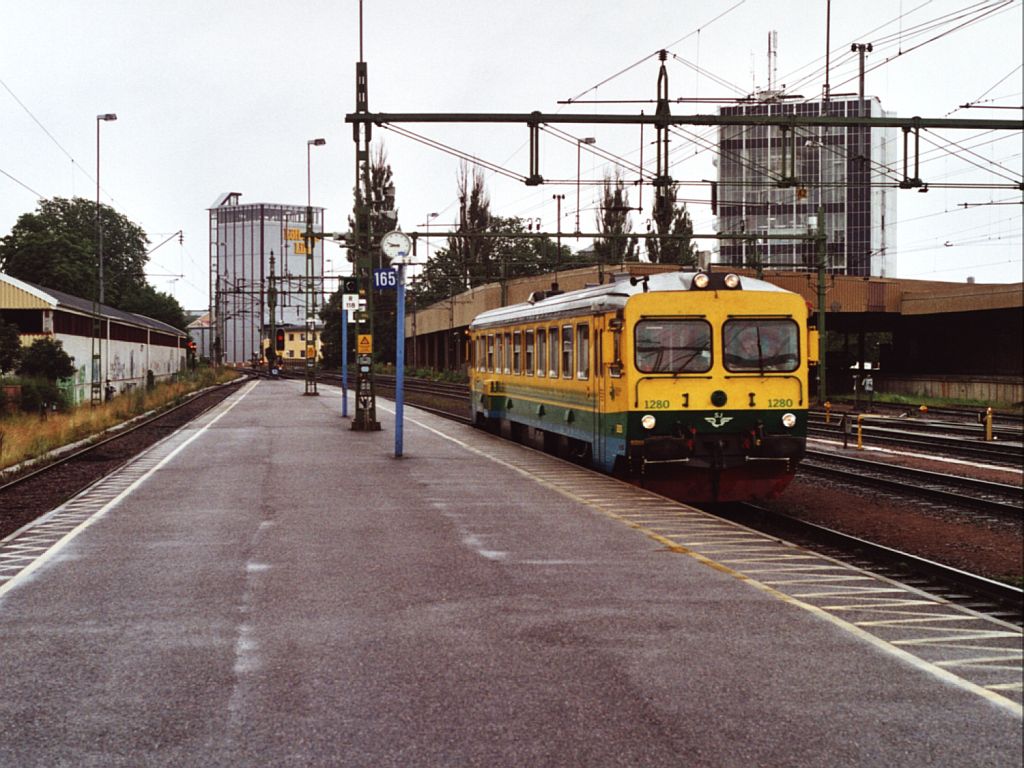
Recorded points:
579,143
99,228
311,143
558,247
97,352
430,218
311,347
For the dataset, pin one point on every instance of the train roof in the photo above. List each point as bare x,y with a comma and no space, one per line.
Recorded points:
602,298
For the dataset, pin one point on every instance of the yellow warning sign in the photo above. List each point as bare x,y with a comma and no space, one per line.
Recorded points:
310,351
364,344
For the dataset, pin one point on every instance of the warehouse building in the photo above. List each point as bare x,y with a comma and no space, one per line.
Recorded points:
113,351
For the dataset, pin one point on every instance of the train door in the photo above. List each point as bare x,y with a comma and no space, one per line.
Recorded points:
598,390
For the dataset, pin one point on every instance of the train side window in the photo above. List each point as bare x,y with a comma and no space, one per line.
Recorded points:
567,351
499,358
760,345
517,352
528,362
615,369
490,352
506,364
582,351
542,351
553,352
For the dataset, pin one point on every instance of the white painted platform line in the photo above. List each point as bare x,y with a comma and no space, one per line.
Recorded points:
57,528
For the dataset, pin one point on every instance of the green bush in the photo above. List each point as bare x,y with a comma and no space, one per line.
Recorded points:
37,394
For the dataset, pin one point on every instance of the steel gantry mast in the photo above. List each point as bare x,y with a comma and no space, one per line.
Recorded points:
362,120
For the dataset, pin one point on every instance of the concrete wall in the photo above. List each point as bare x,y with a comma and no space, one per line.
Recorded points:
993,390
126,363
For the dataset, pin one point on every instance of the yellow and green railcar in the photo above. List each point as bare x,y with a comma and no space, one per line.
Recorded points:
694,384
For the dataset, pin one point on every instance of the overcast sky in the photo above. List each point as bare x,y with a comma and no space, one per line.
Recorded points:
220,96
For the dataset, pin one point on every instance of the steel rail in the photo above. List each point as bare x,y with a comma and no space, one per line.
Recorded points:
1006,597
914,487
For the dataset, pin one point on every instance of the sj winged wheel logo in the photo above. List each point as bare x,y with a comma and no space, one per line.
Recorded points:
718,420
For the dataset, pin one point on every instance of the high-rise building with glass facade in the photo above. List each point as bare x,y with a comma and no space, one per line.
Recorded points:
772,182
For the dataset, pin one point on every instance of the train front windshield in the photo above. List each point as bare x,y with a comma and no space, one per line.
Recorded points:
761,345
673,346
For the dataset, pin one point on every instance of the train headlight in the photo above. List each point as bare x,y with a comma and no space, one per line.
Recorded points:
648,421
700,280
788,420
732,281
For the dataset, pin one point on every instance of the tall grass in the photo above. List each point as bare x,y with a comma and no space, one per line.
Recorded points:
25,436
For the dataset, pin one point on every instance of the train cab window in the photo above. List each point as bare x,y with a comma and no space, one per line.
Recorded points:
567,351
553,352
528,362
542,351
673,346
517,352
582,351
490,352
760,345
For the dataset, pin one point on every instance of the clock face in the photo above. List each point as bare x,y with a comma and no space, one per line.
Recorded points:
396,245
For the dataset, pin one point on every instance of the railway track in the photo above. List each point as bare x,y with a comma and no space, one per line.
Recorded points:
987,596
953,490
919,438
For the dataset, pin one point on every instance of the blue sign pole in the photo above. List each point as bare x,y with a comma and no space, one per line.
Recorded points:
344,363
399,360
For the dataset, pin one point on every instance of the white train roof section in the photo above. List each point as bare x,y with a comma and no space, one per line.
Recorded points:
602,298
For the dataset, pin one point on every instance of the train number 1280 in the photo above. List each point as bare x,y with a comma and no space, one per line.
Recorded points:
779,402
654,404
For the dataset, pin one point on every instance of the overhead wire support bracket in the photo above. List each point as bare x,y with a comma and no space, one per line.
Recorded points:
907,182
534,179
663,119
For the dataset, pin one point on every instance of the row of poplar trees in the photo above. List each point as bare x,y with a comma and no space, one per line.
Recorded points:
468,259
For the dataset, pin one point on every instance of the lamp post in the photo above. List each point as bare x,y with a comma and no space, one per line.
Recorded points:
311,143
558,246
97,350
430,218
311,350
579,143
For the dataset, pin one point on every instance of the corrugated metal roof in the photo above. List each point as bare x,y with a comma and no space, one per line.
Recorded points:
19,294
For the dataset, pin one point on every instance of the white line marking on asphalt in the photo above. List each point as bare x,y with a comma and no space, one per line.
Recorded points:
70,535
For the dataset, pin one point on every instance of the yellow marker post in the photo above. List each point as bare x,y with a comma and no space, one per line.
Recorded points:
828,412
988,425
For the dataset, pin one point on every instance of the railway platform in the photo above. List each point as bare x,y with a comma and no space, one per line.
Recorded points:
268,587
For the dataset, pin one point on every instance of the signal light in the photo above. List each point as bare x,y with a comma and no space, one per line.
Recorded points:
279,341
349,285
